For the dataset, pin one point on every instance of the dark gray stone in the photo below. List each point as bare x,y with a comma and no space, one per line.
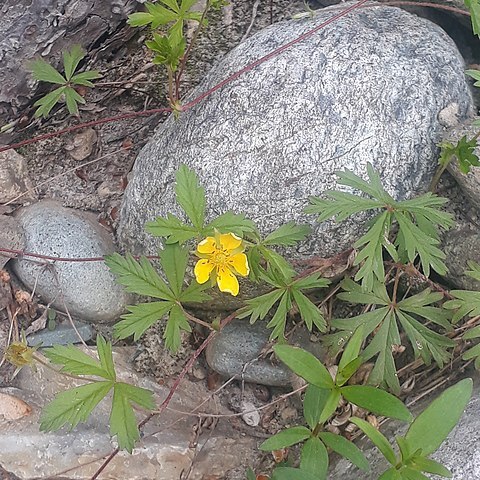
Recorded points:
368,87
236,349
89,289
62,334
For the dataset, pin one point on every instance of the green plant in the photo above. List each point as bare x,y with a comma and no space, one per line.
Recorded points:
424,436
417,220
44,72
321,400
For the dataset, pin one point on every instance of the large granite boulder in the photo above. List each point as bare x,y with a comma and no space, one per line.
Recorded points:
367,88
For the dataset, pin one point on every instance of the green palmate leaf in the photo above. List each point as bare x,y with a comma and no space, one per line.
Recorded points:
140,318
258,307
475,74
190,196
71,59
85,77
311,281
383,322
432,426
344,448
168,50
287,234
172,228
230,222
463,151
279,319
44,72
288,473
474,7
176,322
377,438
47,102
430,466
278,265
123,423
73,406
173,259
195,293
314,404
305,365
314,458
377,401
105,356
286,438
139,276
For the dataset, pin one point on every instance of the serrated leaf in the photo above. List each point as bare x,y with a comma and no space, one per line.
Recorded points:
84,78
44,72
287,234
76,362
71,59
314,403
286,438
139,276
309,312
377,438
72,99
47,102
305,365
195,293
314,458
190,196
140,318
104,350
432,426
123,423
279,319
345,448
377,401
172,228
73,406
174,259
258,307
230,222
466,304
311,281
176,322
284,270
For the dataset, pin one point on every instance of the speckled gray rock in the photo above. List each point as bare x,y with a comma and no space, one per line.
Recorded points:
62,334
89,289
235,351
460,452
470,183
460,245
11,237
14,179
369,87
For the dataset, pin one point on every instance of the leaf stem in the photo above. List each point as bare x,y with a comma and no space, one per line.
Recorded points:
195,319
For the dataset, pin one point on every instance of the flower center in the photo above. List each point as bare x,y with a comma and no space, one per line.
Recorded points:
219,258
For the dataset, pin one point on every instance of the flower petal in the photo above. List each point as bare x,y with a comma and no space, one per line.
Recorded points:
203,269
227,281
207,246
240,263
230,241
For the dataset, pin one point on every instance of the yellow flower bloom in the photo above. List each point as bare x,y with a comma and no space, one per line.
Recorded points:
20,354
221,258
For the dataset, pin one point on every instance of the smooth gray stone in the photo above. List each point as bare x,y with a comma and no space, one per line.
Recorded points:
240,343
367,88
460,452
89,289
63,334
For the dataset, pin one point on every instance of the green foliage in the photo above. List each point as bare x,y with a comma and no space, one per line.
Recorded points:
424,436
140,277
287,292
383,321
315,373
474,7
463,151
418,220
44,72
167,52
191,197
75,405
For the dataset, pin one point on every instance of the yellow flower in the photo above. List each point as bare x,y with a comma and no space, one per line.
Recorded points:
221,258
20,354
